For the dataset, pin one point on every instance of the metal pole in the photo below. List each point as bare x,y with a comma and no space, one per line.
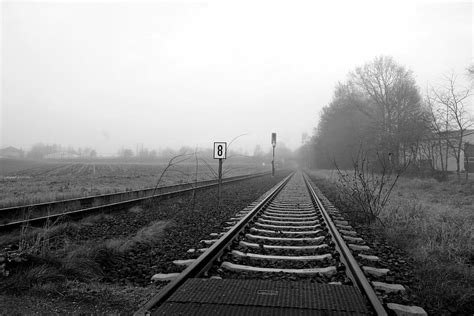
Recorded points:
273,162
220,183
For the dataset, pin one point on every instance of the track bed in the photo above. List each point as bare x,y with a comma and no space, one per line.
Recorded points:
286,242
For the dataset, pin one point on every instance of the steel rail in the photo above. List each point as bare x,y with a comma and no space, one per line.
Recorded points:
18,208
355,273
205,261
122,204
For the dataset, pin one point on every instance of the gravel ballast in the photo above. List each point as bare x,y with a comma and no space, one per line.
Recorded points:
128,264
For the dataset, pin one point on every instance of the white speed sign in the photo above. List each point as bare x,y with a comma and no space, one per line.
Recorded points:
220,150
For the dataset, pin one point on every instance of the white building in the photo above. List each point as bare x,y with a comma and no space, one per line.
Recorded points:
440,151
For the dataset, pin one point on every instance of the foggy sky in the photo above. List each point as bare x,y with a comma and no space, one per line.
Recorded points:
112,74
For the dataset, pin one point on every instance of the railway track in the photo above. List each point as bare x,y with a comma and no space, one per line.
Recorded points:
283,254
36,214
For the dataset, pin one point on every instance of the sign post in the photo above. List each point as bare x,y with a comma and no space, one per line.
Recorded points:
274,141
220,152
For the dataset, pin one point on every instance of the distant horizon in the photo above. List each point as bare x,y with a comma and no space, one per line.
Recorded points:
159,151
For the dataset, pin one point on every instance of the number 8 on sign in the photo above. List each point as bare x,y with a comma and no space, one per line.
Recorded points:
220,150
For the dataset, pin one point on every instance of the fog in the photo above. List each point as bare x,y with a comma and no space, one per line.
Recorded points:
175,73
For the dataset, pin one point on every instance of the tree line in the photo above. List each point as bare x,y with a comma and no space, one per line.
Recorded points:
141,153
380,111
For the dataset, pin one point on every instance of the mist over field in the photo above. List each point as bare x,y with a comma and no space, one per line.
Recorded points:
113,75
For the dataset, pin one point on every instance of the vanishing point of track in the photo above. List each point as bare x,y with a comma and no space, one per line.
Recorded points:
282,251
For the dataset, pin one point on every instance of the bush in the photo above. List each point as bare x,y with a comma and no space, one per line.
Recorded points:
369,185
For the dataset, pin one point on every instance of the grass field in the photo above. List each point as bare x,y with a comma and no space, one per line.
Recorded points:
434,223
28,182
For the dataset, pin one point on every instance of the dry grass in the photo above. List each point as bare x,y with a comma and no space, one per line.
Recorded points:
440,213
146,235
434,231
34,237
434,223
77,298
34,240
39,264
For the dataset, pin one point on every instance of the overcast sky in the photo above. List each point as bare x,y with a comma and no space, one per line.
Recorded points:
173,73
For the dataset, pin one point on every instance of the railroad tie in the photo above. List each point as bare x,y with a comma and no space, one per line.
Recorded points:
378,272
406,310
369,257
282,232
388,288
287,222
284,258
284,226
286,239
345,227
216,234
348,232
358,247
164,277
353,239
326,271
184,262
279,247
208,241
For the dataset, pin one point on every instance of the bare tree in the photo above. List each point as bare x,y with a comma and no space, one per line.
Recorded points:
439,124
395,101
171,163
451,102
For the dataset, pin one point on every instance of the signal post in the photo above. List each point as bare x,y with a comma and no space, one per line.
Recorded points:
274,141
